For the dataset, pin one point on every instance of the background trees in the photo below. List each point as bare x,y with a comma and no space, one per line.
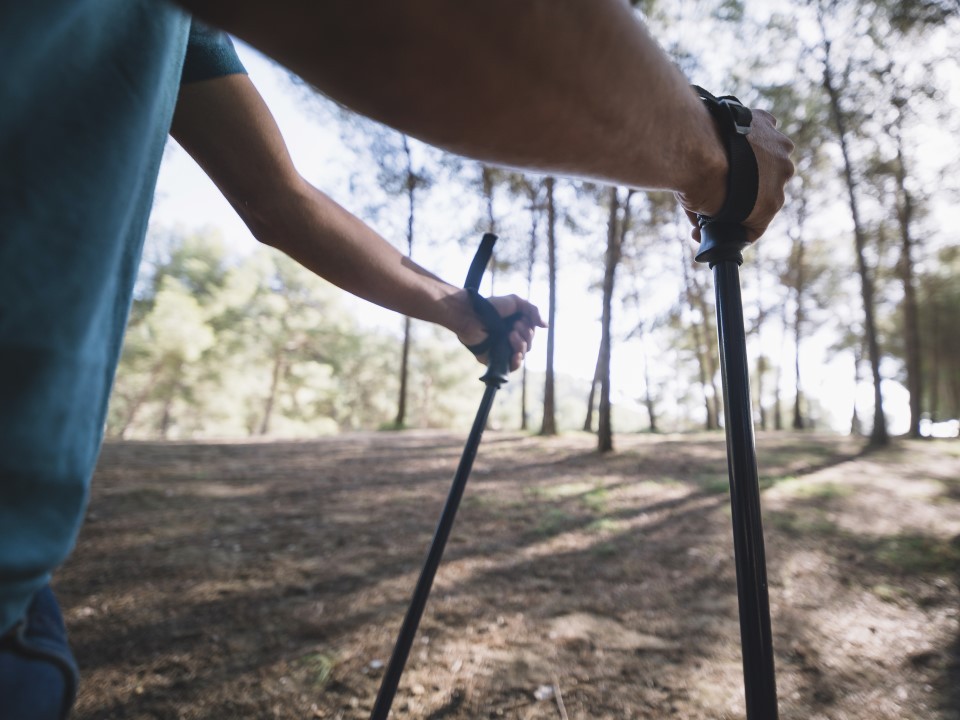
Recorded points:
857,279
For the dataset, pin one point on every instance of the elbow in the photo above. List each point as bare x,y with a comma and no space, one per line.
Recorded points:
271,213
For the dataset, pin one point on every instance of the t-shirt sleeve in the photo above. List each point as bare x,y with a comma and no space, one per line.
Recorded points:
210,54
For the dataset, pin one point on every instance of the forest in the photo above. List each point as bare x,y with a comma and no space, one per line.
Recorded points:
863,263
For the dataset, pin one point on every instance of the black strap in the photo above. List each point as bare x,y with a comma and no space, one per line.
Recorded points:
498,328
733,120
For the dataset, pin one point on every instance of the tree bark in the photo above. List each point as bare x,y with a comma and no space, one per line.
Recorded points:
488,180
549,424
140,399
710,349
936,343
616,230
592,396
777,407
798,320
701,344
401,418
911,317
534,195
411,185
166,417
648,394
278,368
762,362
878,435
761,374
856,426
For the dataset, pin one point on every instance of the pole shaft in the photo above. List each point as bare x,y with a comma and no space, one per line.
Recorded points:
755,634
408,631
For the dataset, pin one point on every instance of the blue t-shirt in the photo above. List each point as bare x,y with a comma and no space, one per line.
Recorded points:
86,100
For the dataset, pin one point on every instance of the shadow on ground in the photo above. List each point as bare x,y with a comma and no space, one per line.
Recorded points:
269,579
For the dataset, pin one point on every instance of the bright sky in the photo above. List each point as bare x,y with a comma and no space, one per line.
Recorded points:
186,198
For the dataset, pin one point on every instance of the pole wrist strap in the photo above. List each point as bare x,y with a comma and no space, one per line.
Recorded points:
733,120
498,328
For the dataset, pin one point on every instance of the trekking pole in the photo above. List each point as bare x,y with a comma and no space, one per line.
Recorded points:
498,346
722,238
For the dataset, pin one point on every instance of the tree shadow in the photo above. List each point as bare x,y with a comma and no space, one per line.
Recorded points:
328,561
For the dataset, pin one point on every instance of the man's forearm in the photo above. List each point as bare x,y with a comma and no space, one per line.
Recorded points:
569,86
322,236
225,125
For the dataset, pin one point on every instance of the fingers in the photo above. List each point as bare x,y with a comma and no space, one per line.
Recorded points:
772,150
520,335
521,341
764,115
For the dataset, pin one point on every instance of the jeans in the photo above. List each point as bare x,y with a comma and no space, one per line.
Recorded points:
38,674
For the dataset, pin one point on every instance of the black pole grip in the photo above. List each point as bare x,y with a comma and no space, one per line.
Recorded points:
720,241
478,265
497,345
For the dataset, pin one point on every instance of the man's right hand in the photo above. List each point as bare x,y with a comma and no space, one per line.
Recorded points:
772,150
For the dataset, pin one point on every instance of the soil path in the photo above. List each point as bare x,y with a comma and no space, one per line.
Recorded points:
268,580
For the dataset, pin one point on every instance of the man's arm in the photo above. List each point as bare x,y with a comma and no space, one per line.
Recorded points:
574,87
225,125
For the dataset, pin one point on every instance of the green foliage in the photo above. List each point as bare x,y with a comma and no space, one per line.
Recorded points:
914,15
913,554
224,346
939,300
319,668
221,346
553,522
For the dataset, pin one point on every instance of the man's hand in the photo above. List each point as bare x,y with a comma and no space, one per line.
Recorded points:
554,97
772,150
226,127
521,334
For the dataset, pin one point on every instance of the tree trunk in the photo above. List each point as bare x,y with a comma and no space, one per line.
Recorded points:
278,368
701,347
911,318
549,424
762,364
648,393
777,407
615,234
487,180
524,422
711,346
878,435
140,399
761,373
936,343
401,419
592,396
534,194
798,320
166,417
856,426
711,423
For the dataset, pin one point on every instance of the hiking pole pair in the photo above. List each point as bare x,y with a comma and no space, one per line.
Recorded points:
497,345
722,238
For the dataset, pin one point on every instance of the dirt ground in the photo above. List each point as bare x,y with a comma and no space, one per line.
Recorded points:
268,580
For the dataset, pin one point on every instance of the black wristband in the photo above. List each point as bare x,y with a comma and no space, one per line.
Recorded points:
733,120
498,328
